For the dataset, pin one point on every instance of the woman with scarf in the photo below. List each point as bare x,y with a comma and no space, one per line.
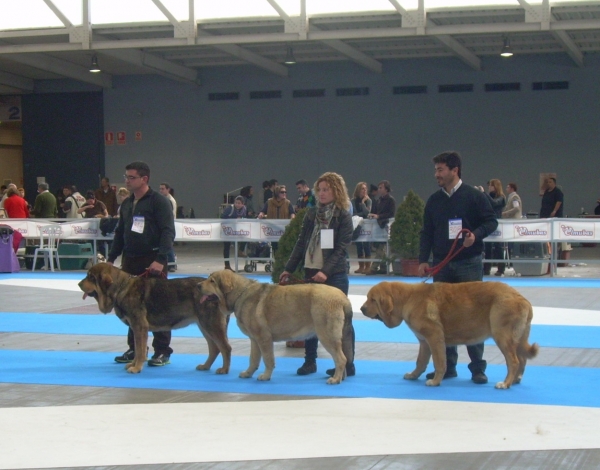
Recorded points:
236,211
322,247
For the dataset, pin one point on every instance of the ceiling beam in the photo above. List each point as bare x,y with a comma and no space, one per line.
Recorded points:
255,59
157,64
352,53
570,47
60,15
368,33
419,20
140,58
16,81
63,68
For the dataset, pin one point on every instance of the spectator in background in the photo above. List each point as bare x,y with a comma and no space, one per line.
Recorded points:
306,197
383,211
45,203
493,250
236,211
92,208
5,193
247,192
122,194
15,206
22,193
514,207
107,195
268,189
361,205
552,200
72,202
165,189
278,207
374,195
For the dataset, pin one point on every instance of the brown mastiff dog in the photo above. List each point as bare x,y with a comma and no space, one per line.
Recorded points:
152,304
441,314
269,312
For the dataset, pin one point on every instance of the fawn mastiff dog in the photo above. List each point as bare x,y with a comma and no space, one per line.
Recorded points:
152,304
441,314
269,313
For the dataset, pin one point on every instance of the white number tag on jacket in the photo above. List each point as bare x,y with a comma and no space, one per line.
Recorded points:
327,238
138,224
454,228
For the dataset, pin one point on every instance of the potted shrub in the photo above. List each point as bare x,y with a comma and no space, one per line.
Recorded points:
286,246
405,232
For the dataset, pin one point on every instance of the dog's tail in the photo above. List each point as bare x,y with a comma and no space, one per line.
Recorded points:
531,350
528,350
348,334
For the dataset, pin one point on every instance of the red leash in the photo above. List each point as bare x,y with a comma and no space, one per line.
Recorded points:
451,254
147,273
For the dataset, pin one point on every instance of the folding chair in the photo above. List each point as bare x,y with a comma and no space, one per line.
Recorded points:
48,247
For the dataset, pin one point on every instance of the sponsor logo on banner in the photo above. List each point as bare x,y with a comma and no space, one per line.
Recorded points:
44,229
77,230
569,230
197,232
496,233
235,230
270,231
532,231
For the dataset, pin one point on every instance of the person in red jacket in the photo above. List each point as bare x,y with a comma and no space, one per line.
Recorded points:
16,206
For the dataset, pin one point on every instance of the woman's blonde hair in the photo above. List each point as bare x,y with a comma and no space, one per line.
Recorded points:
338,188
359,187
497,184
123,192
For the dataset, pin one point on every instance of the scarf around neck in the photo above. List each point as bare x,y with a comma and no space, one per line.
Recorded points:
322,219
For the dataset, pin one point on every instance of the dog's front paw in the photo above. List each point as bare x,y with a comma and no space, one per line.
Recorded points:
133,369
333,381
202,367
245,374
432,383
410,376
264,376
502,385
222,371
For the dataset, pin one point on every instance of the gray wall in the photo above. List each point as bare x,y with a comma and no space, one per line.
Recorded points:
205,148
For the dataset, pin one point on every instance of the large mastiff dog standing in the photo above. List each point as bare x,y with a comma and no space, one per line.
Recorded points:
268,313
441,314
151,304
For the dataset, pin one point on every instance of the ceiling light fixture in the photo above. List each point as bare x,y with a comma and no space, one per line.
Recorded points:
95,68
289,57
506,49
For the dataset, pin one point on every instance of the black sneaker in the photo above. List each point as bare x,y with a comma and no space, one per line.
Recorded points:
159,360
126,357
307,368
479,378
450,374
350,371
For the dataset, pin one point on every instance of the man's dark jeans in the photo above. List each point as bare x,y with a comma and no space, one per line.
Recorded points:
137,265
465,270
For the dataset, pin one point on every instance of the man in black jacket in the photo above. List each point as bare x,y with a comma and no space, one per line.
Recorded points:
144,236
455,207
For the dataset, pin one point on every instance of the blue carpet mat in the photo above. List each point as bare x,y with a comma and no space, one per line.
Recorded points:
558,336
568,386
